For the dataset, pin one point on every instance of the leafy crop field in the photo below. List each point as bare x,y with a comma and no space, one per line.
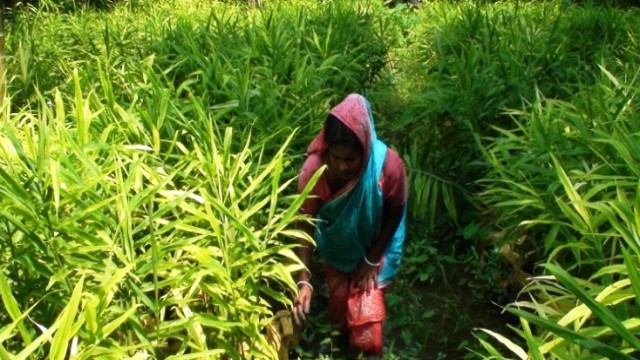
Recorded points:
149,153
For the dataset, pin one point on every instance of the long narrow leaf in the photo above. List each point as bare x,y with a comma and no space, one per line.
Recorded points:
572,336
632,270
517,350
604,314
571,192
64,334
12,307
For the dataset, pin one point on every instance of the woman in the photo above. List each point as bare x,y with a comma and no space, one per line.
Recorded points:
359,202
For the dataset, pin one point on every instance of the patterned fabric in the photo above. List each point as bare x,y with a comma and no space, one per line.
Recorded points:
361,314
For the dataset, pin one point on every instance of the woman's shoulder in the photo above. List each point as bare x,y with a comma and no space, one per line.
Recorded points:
393,164
311,164
393,181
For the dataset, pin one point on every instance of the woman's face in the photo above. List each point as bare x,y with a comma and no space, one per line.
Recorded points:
344,161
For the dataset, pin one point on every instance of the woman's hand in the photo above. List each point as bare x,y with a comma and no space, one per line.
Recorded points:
302,304
366,276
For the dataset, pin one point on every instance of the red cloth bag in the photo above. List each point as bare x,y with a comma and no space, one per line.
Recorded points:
365,315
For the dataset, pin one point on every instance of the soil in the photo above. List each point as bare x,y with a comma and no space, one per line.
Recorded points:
442,321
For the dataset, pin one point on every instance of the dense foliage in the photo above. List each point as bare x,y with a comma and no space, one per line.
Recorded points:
149,151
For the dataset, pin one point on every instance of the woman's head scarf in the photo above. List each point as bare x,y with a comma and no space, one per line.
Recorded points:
355,113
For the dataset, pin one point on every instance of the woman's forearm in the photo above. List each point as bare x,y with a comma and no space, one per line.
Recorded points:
304,252
391,218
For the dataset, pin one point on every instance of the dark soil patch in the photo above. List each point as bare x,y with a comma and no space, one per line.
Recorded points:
439,320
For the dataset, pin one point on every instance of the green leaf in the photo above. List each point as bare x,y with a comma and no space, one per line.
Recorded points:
576,200
632,270
297,203
572,336
12,307
209,320
199,355
517,350
4,355
604,314
532,341
114,324
66,320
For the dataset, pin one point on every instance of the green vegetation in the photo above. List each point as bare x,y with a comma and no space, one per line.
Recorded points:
149,153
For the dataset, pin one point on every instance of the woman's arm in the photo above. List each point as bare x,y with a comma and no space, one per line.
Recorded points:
366,275
394,189
304,251
302,304
391,217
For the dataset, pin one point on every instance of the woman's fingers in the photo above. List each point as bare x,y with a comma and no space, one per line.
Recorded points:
306,307
371,283
299,314
368,283
302,305
366,277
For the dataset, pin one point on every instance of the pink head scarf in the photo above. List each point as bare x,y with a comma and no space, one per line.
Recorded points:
354,113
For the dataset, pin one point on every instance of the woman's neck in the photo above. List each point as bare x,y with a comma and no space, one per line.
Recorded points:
334,182
335,185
